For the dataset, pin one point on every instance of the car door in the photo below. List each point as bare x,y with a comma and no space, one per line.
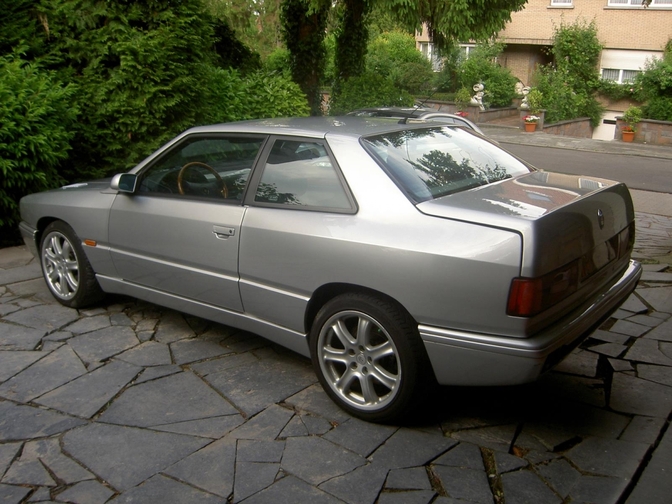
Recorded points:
179,232
297,200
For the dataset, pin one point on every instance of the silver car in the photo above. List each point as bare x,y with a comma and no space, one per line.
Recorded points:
416,114
394,255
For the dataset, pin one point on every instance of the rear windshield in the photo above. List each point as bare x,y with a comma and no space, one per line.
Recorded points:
434,162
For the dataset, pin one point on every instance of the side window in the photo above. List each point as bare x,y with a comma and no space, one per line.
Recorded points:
300,173
209,167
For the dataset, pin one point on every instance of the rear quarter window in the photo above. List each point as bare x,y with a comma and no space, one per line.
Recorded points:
433,162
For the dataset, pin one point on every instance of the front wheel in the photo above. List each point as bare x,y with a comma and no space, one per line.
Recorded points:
65,267
368,356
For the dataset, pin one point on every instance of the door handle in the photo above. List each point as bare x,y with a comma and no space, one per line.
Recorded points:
222,232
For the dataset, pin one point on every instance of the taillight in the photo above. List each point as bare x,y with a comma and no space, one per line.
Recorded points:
530,296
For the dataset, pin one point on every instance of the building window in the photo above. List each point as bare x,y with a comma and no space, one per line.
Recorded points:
465,50
638,3
618,75
561,3
429,51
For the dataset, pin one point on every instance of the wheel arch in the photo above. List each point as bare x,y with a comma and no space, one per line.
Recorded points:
327,292
40,226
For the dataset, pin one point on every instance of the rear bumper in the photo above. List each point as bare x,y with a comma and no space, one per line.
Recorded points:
462,358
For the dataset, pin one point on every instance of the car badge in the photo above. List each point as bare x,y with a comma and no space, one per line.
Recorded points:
600,218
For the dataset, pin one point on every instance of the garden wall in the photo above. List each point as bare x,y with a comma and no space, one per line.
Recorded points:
576,128
648,131
475,114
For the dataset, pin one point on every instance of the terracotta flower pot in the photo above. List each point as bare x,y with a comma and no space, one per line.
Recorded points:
628,136
530,127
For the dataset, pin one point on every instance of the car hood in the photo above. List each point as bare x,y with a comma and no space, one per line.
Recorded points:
560,217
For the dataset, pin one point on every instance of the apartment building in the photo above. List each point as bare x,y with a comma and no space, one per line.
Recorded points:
629,32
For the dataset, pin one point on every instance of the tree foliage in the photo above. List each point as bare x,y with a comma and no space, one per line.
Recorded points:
368,90
105,82
256,23
36,117
352,35
303,31
450,20
481,66
234,97
393,55
570,84
654,86
139,69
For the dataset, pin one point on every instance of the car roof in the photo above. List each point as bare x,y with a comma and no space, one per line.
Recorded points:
414,112
316,127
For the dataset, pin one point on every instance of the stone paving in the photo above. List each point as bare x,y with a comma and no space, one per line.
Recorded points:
129,402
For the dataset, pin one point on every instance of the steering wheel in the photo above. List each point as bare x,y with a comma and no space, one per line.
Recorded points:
180,187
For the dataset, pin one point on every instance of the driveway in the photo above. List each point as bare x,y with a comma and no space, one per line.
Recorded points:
131,402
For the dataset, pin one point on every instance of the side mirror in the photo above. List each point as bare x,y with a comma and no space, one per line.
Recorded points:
124,182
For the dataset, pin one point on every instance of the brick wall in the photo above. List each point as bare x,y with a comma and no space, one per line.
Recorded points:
576,128
648,131
618,27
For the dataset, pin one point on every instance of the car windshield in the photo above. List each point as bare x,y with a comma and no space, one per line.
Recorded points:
434,162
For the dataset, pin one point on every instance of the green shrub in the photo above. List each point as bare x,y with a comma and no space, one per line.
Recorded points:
416,78
658,108
368,90
273,96
36,115
255,96
388,54
569,86
500,84
139,69
654,86
447,80
535,99
462,98
278,62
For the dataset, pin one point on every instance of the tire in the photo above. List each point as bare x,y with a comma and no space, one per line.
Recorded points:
65,267
368,356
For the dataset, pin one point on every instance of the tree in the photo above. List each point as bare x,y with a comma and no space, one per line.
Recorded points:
37,117
448,20
569,85
139,68
256,23
654,86
20,27
303,30
352,35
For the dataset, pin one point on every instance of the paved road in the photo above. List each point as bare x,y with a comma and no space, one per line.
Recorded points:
129,402
645,173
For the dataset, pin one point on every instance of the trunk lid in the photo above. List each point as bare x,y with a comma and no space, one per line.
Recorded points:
561,218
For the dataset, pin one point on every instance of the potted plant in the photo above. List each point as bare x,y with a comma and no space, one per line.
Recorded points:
631,116
530,121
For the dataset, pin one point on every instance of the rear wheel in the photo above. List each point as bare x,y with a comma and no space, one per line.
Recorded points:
65,267
368,356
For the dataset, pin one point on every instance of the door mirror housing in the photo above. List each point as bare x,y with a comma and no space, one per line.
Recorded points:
124,182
